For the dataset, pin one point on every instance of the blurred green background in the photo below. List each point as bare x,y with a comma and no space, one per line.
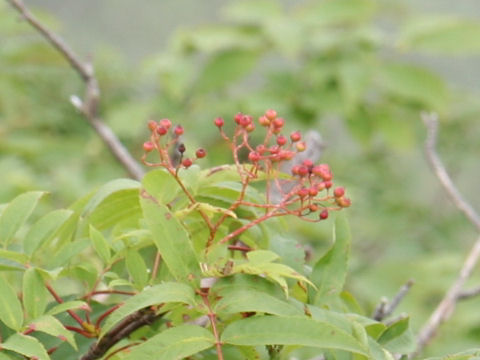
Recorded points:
357,71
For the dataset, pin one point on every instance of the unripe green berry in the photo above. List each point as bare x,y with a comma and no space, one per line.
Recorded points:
301,146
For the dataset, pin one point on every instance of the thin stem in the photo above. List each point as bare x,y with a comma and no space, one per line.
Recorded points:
105,314
72,313
213,321
156,264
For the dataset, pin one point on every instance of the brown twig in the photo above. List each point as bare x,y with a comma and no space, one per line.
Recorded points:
89,105
385,308
446,307
213,321
467,294
122,330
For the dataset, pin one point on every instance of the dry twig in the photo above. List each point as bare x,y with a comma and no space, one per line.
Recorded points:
385,308
448,303
89,105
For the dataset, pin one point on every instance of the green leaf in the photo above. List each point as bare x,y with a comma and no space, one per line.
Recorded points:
415,84
252,10
67,305
249,300
11,313
205,208
158,294
330,271
100,244
171,239
50,325
273,330
26,345
44,230
161,185
16,213
136,268
35,294
173,344
13,255
260,263
115,202
224,68
398,337
340,11
441,35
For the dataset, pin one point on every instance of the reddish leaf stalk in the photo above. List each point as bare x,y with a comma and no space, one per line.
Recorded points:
72,313
105,314
213,321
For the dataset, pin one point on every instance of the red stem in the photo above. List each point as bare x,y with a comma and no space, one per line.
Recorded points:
213,321
105,314
72,313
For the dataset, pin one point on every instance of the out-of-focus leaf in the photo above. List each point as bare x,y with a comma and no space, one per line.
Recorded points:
14,256
158,294
415,84
16,213
225,68
174,344
327,12
50,325
330,271
11,313
441,35
26,345
100,244
136,268
252,11
45,229
171,239
271,330
35,294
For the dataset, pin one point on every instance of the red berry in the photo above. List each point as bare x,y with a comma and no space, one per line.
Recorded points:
339,191
238,118
270,114
219,122
308,163
303,170
166,123
181,148
274,149
187,162
261,149
313,207
178,130
161,130
324,214
303,192
343,202
250,127
323,170
281,140
200,153
301,146
152,125
295,169
245,120
148,146
264,121
286,155
254,156
328,184
295,136
278,122
313,191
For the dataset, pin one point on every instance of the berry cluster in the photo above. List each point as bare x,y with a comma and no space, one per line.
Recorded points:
308,191
164,139
305,194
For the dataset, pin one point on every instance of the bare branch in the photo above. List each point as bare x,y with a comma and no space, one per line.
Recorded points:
467,294
431,122
446,307
385,309
89,105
